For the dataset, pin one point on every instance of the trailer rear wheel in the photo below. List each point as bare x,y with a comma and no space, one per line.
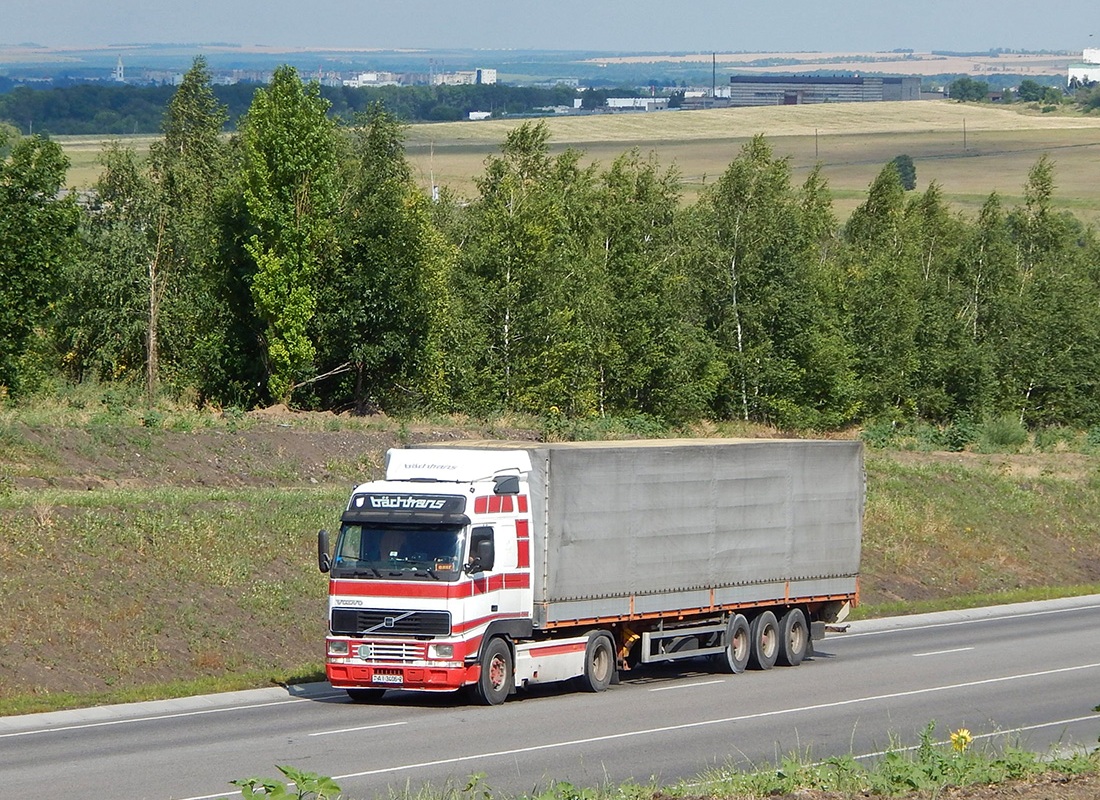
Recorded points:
765,641
495,682
738,640
365,695
599,663
794,638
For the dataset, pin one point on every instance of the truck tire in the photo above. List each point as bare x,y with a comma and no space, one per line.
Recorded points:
495,682
765,641
794,638
599,663
738,646
365,695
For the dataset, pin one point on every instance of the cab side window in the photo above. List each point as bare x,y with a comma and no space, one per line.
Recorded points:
482,550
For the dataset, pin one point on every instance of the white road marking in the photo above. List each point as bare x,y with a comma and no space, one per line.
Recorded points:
932,625
999,732
158,717
706,723
702,724
363,728
685,686
942,652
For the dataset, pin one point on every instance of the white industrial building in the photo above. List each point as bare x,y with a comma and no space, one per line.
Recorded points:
1089,70
637,103
465,77
371,79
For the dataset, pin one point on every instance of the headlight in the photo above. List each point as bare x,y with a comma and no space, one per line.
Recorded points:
336,648
441,652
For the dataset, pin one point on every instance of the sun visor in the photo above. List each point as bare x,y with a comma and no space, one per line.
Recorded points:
453,464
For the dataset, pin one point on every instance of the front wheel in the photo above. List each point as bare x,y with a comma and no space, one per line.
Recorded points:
599,663
495,682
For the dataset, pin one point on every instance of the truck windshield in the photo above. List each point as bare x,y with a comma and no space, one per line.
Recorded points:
397,552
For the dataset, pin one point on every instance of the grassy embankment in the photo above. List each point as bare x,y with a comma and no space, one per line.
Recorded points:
152,554
970,150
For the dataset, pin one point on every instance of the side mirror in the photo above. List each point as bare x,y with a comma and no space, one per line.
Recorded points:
483,557
323,562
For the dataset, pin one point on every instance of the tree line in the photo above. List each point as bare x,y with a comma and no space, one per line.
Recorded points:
117,110
299,262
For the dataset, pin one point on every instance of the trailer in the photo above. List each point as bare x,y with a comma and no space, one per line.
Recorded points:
495,566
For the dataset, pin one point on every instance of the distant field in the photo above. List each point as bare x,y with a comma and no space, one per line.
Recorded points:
870,62
969,150
83,153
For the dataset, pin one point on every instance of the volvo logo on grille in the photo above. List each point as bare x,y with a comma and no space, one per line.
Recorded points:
389,622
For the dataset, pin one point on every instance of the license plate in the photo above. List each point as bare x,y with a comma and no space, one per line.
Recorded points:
398,679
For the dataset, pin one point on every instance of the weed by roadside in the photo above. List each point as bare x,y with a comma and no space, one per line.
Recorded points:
927,770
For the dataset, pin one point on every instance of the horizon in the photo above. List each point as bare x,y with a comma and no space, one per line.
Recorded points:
611,26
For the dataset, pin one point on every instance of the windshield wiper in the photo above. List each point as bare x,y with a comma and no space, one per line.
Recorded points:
360,572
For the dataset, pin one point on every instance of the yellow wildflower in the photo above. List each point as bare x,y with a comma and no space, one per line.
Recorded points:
961,740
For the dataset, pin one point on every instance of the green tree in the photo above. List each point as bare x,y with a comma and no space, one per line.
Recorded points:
102,321
9,135
188,167
290,151
881,300
379,296
1030,91
1087,98
967,89
763,293
1050,353
525,285
1053,96
37,235
987,281
947,381
907,171
652,355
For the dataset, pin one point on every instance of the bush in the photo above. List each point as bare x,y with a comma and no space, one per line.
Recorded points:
960,433
1005,433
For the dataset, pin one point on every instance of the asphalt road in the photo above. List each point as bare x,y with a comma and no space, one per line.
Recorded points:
1027,674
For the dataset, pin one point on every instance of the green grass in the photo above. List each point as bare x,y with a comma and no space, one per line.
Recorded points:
143,561
907,607
929,769
167,690
124,590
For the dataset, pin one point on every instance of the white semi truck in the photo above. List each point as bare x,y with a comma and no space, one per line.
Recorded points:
496,566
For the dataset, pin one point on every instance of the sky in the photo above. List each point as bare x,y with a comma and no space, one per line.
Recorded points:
605,25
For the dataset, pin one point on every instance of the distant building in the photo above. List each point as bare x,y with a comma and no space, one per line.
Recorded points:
478,115
771,90
637,103
465,77
1087,71
371,79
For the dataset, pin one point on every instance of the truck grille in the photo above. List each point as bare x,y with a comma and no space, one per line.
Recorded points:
360,622
397,653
